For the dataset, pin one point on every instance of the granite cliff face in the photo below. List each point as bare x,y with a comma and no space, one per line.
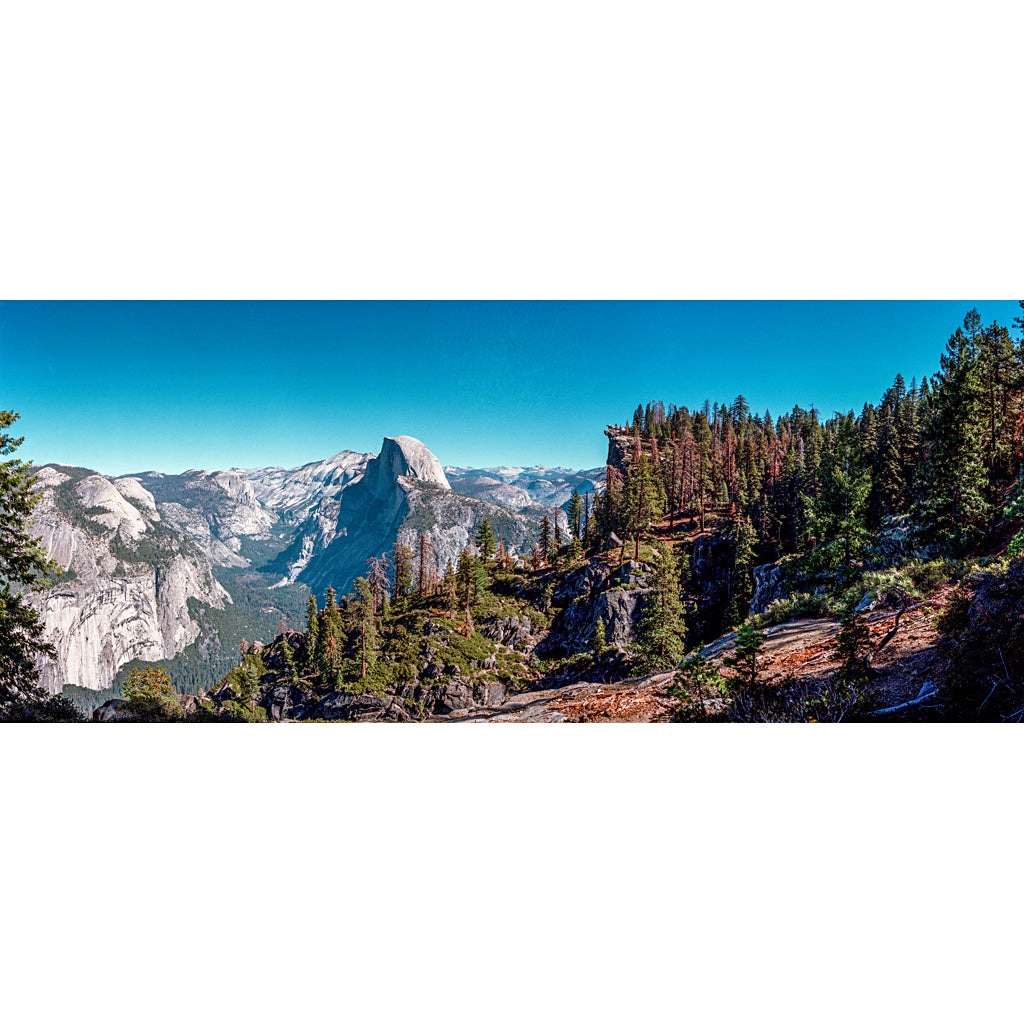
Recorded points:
404,457
127,578
219,510
293,494
402,494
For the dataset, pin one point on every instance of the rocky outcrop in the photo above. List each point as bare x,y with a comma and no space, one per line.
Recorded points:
769,587
620,448
899,539
362,707
615,595
509,630
284,702
114,710
98,624
646,699
131,488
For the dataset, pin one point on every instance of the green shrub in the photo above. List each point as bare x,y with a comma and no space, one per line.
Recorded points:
150,696
797,606
696,680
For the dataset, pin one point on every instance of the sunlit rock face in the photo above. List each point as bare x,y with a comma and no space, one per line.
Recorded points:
294,493
126,581
404,456
402,494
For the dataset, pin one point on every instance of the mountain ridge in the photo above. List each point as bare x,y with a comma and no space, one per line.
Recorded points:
312,526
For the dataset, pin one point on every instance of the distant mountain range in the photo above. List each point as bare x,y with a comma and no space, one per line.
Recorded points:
179,568
522,488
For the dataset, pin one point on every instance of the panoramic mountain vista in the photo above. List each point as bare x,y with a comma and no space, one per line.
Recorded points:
722,565
145,559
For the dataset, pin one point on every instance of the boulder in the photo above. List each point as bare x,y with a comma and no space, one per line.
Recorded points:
453,696
225,693
620,609
285,702
490,693
365,707
189,702
113,710
511,630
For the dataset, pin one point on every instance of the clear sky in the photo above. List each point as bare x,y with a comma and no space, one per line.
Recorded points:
127,386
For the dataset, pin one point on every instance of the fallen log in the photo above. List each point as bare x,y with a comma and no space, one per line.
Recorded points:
904,706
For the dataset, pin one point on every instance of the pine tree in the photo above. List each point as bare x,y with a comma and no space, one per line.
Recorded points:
702,440
449,587
951,502
852,642
329,639
312,632
535,558
742,580
425,565
661,630
545,539
379,580
485,539
24,567
401,579
465,577
608,512
367,624
749,644
645,501
888,484
472,581
998,371
291,669
598,642
150,695
249,683
839,510
575,514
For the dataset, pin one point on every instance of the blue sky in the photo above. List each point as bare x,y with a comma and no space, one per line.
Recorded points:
126,386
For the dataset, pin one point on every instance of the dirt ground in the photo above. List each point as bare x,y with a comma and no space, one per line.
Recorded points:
800,648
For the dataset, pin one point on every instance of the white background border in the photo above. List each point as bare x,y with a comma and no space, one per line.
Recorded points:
555,150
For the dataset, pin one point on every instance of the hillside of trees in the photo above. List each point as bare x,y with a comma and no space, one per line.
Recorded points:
940,457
